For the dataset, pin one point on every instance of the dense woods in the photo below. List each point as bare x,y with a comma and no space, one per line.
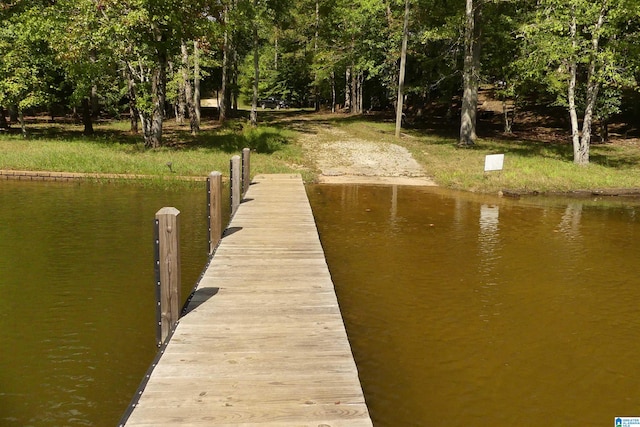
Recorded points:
152,59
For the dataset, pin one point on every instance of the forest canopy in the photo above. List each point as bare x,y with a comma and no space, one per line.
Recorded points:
148,59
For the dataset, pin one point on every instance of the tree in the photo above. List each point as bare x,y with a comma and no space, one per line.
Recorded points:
573,48
150,33
83,45
28,69
470,75
403,58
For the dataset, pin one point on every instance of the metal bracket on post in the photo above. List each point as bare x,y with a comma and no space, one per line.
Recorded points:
156,257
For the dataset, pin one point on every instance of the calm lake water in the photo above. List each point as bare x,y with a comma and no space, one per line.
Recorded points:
461,309
77,296
470,310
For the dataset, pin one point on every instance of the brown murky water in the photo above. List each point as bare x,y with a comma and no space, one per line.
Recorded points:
468,310
461,310
77,296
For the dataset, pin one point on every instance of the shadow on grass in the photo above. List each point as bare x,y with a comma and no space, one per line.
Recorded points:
231,137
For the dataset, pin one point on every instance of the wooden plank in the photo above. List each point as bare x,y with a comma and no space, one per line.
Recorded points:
262,342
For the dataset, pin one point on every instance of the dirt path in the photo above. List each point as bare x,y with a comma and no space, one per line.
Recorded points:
341,158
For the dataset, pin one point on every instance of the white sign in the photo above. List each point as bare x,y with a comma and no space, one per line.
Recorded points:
493,162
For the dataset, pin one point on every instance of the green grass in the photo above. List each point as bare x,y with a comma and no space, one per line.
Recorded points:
114,150
529,166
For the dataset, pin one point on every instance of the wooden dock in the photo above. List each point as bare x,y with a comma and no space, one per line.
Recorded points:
262,342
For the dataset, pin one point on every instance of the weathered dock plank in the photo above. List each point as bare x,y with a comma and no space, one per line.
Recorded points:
263,342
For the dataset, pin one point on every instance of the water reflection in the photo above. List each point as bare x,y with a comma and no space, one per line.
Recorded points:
486,311
570,222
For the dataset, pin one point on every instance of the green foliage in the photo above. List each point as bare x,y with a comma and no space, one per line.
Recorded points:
28,70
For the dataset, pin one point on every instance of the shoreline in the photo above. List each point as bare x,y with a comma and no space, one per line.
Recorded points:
24,175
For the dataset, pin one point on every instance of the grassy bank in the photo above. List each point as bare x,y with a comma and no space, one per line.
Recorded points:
529,165
114,150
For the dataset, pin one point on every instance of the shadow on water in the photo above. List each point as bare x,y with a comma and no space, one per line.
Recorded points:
486,311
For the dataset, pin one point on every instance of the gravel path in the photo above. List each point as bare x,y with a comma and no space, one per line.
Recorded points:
344,159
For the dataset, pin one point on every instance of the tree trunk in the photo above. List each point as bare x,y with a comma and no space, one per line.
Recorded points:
188,90
354,91
133,109
13,114
95,103
223,103
508,118
23,125
469,78
581,156
196,86
403,58
181,105
234,80
571,90
361,92
256,70
158,96
87,120
347,89
333,91
3,120
316,84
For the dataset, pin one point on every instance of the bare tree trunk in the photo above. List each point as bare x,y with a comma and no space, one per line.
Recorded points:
23,125
234,80
361,92
133,110
593,87
316,84
347,89
403,59
354,91
95,103
87,120
333,91
508,118
188,90
196,85
223,103
158,88
256,70
469,78
3,120
13,113
181,106
571,89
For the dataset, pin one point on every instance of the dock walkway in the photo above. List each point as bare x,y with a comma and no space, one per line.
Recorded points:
262,342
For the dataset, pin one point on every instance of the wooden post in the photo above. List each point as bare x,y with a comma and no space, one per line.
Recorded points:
236,176
167,227
246,170
214,204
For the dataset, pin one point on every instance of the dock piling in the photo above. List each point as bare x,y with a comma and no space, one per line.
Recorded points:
246,170
236,176
214,205
167,233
